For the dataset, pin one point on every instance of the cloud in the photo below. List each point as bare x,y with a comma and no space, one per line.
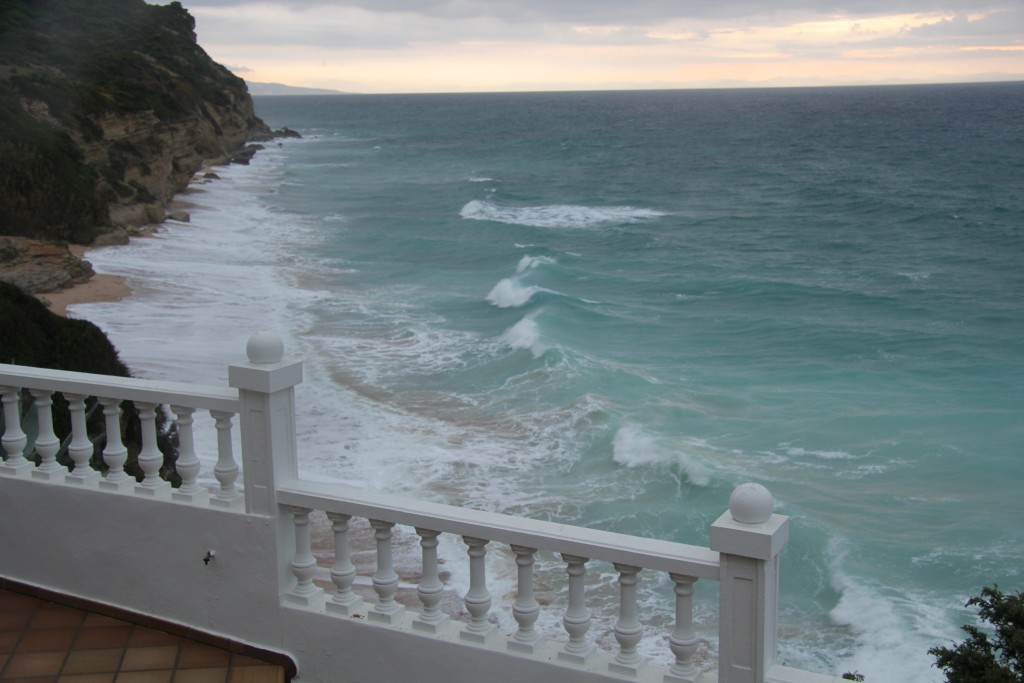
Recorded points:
447,45
632,12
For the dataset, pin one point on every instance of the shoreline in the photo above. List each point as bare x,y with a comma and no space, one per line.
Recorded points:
99,288
103,287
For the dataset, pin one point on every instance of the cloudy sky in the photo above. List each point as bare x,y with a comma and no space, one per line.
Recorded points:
490,45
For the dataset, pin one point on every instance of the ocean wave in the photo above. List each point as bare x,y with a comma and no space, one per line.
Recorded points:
634,447
557,215
893,631
528,263
525,334
509,293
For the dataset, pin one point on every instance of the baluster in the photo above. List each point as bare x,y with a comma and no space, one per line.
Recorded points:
188,463
478,599
577,617
47,443
305,592
114,454
81,447
343,574
385,580
430,590
525,610
683,642
226,469
628,630
14,439
150,458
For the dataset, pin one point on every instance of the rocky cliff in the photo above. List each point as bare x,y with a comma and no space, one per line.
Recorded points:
107,109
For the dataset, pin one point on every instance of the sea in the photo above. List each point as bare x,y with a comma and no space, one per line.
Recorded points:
611,308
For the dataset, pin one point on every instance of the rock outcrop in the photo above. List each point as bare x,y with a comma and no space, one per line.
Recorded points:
37,266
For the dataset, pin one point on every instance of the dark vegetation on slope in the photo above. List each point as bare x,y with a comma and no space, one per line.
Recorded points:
32,335
96,97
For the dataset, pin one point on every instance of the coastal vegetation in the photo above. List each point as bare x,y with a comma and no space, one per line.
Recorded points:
32,335
107,109
996,656
106,106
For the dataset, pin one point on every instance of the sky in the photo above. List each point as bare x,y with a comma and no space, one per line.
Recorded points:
391,46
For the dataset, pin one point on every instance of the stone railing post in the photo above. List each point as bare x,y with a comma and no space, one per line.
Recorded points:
266,397
266,416
749,538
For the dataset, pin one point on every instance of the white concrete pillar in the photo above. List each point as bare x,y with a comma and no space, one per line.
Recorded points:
150,458
114,453
266,393
226,469
430,590
749,538
266,397
14,439
47,443
80,449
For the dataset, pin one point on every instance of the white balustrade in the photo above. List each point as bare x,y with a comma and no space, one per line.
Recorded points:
385,580
743,553
303,564
628,629
14,439
114,453
81,447
525,609
150,458
683,642
577,617
478,599
343,573
430,590
226,469
47,443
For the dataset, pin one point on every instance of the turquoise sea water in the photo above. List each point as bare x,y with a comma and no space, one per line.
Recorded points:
611,308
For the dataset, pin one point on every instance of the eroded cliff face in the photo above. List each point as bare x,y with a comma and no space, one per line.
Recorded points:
146,161
107,109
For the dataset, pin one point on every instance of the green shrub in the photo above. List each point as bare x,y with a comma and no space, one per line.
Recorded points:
980,659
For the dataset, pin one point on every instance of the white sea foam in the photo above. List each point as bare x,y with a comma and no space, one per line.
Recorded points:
528,263
634,447
510,293
892,630
525,334
556,215
824,455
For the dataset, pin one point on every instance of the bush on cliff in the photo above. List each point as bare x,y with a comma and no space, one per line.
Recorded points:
32,335
980,659
45,187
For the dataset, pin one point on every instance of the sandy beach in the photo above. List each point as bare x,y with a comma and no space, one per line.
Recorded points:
100,287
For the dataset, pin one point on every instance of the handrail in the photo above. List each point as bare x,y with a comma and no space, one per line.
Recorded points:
221,399
679,558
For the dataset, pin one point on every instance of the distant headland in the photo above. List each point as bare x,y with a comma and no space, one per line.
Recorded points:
261,89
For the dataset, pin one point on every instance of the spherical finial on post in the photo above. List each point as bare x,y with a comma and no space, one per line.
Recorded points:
751,504
264,348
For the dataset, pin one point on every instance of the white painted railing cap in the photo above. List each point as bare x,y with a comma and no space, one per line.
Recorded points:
749,528
751,504
266,370
264,348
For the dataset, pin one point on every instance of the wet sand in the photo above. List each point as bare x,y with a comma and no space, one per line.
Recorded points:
100,287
